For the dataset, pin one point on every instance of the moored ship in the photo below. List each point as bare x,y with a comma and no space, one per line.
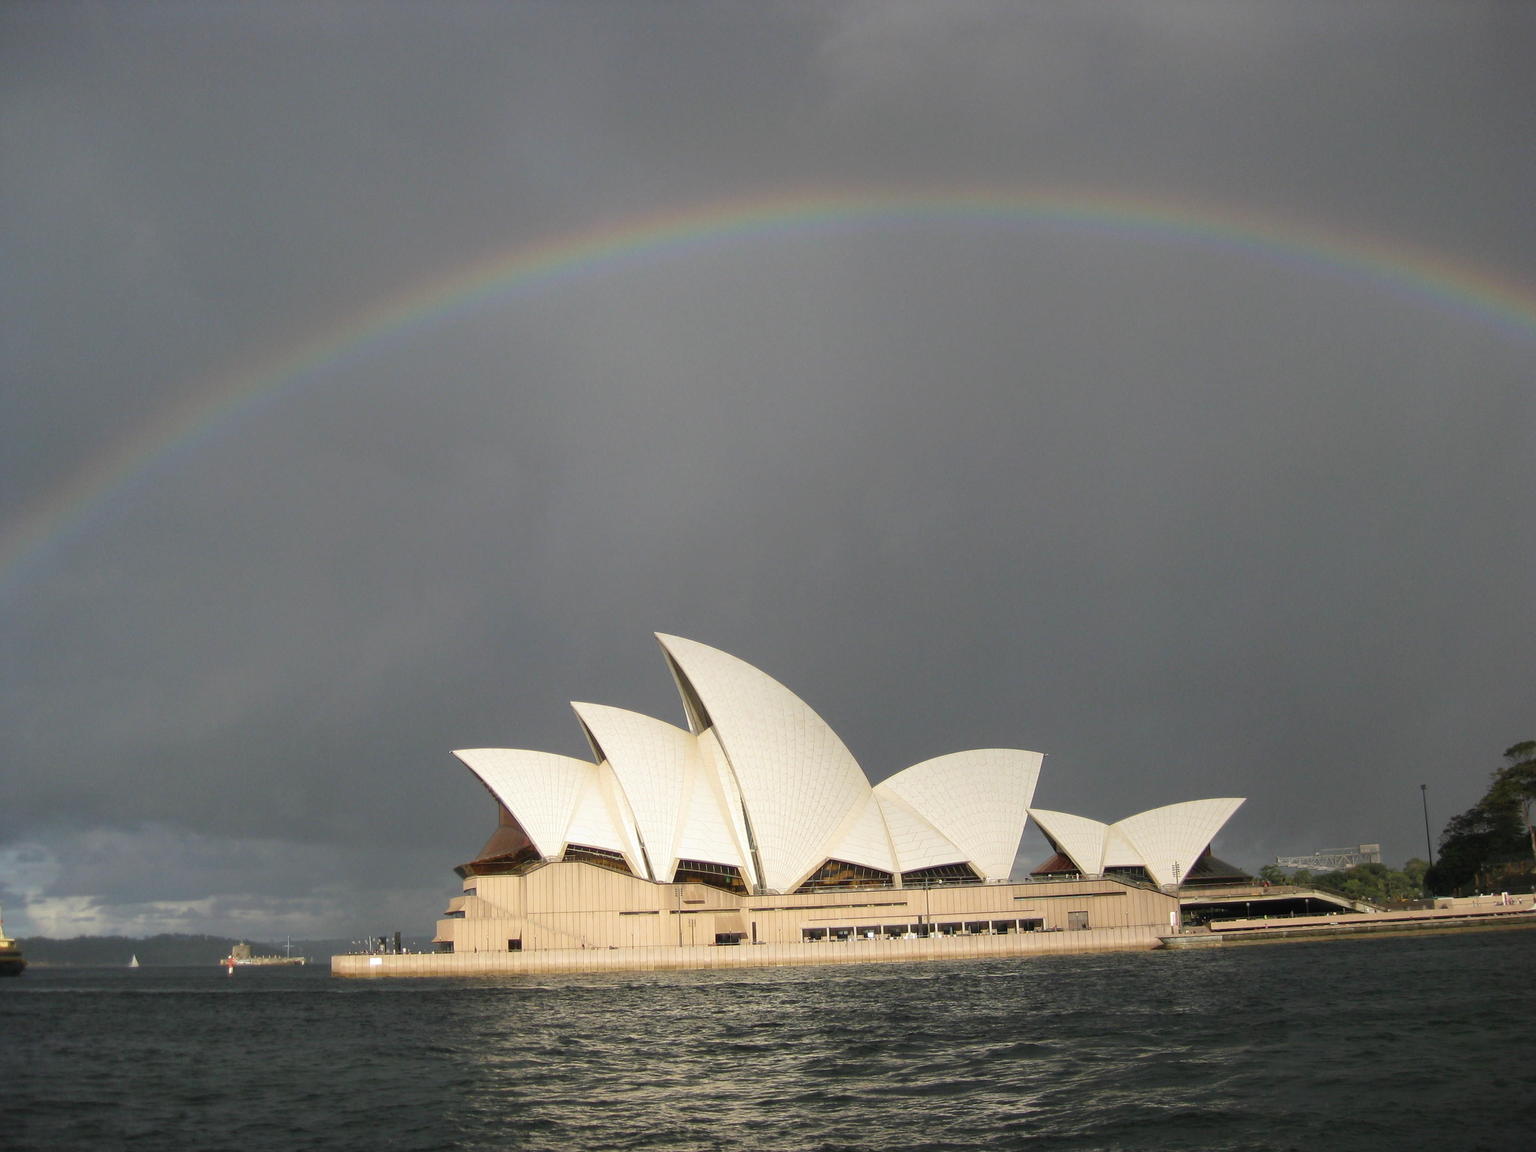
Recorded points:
241,956
12,962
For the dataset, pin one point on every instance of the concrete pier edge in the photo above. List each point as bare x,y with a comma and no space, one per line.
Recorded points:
1143,938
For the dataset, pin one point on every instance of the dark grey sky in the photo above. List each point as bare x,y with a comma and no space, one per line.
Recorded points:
1192,519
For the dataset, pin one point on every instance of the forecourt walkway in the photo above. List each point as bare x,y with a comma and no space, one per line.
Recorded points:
1473,913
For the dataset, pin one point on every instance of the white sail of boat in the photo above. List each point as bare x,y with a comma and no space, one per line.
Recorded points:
133,961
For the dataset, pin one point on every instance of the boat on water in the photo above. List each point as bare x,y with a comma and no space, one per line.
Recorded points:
242,956
133,961
12,962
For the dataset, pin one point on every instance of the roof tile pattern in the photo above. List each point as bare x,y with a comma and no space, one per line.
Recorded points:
798,782
917,843
544,810
715,828
864,838
652,761
1171,839
1077,837
1165,841
596,820
1119,852
978,799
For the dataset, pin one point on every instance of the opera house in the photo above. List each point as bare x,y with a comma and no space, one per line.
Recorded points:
753,836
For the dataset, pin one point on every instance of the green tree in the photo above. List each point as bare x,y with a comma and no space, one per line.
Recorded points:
1273,874
1494,831
1372,883
1515,785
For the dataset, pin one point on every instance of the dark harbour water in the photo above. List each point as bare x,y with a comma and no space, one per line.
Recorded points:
1406,1043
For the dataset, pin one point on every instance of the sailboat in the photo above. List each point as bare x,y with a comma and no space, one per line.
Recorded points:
133,961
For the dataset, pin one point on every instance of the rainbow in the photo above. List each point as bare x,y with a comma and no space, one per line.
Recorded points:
1428,278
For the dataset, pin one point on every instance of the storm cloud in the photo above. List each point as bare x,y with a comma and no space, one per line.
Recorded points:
1193,516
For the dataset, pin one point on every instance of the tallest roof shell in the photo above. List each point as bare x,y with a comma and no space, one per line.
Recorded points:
798,782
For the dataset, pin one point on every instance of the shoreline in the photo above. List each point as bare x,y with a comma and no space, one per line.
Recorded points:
1141,938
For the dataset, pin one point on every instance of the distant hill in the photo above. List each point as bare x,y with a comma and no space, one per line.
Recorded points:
173,950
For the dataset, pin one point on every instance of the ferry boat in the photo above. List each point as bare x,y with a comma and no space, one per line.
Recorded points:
12,962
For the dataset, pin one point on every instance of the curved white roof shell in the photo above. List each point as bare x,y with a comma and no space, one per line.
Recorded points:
1171,839
798,782
978,799
758,783
1080,839
864,838
677,811
715,828
1165,841
1119,852
540,788
916,842
600,820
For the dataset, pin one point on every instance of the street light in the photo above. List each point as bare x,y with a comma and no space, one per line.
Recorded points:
1424,795
1178,904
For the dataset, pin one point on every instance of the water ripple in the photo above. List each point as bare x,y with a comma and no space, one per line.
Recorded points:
1360,1045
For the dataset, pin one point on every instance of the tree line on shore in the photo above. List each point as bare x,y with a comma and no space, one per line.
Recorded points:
152,951
1490,847
177,949
1372,883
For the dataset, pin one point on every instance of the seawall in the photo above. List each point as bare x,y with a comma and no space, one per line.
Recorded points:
858,951
1227,932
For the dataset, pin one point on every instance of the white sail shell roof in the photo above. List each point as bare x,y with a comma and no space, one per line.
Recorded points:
978,799
1119,852
916,842
864,838
601,820
715,828
1165,841
651,760
679,809
540,788
758,782
1171,839
1079,838
798,782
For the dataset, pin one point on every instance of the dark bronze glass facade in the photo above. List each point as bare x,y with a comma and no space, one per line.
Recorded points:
509,850
841,874
940,874
726,876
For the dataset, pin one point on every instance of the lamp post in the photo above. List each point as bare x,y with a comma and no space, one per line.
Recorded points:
1178,904
1424,795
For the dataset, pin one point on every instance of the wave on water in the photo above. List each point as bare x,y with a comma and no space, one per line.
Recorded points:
1362,1045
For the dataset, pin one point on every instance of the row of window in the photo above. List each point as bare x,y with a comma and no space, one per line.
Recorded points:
922,931
1075,921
